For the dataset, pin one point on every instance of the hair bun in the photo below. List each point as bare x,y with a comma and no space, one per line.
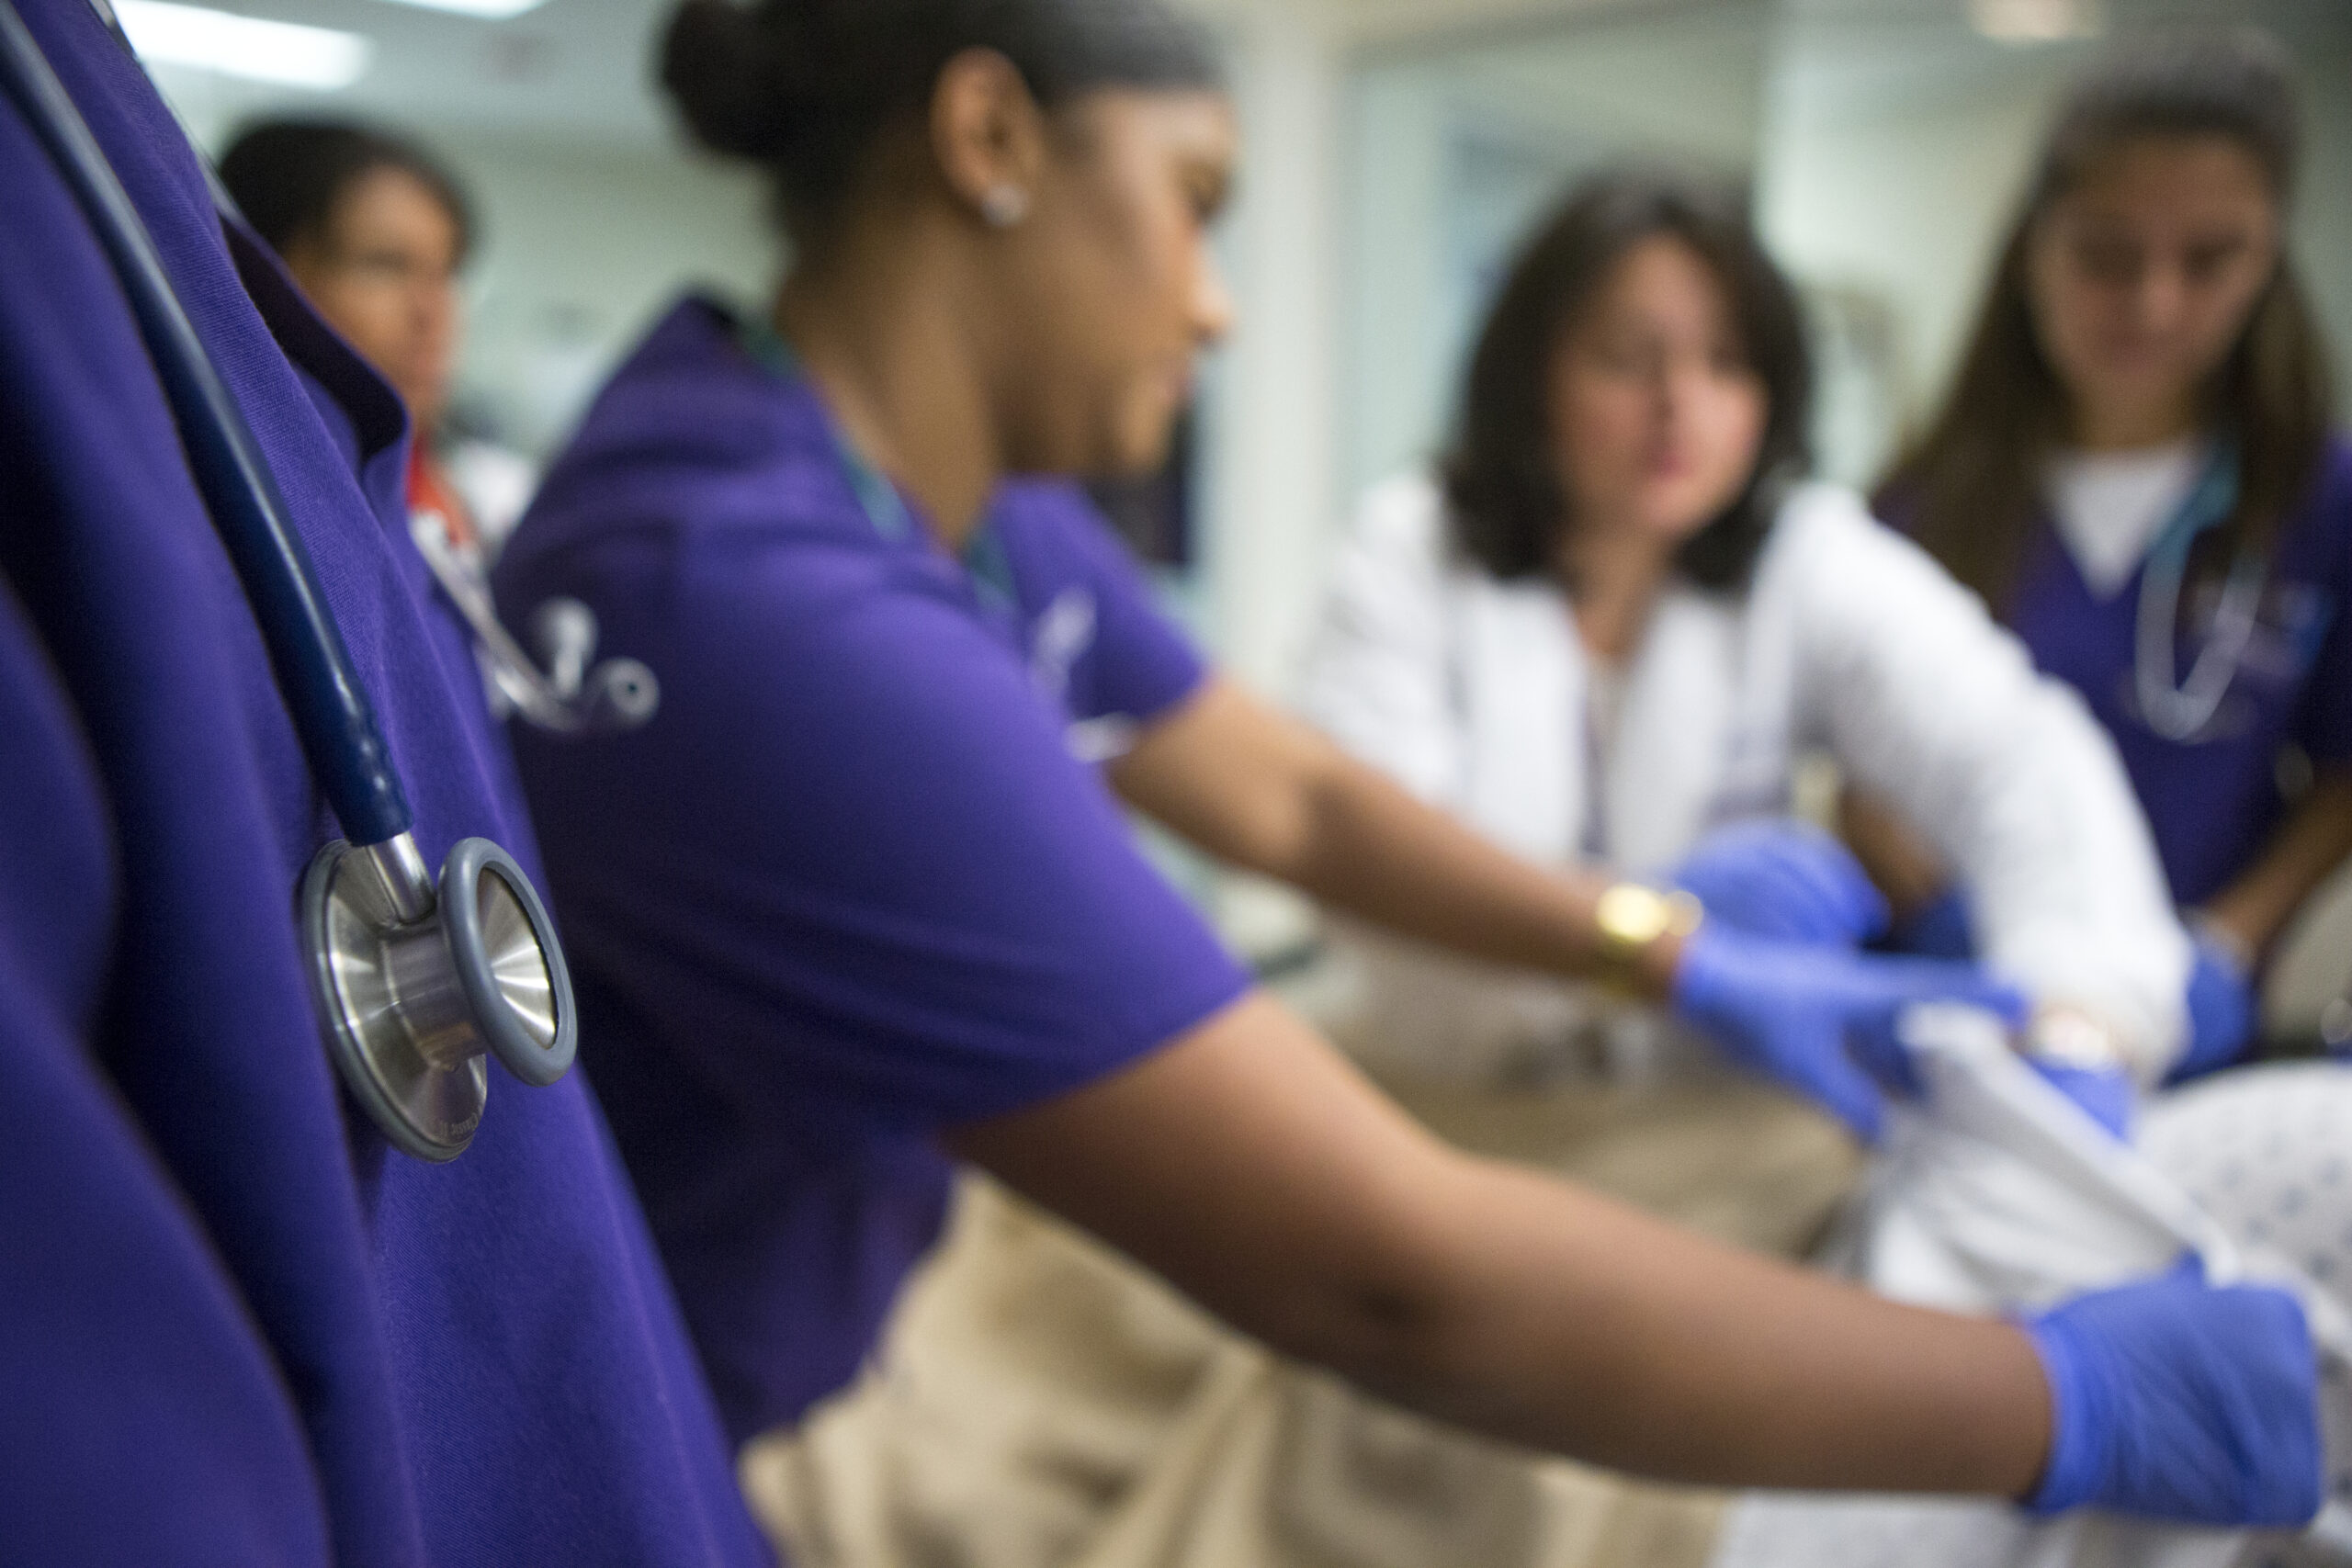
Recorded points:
738,75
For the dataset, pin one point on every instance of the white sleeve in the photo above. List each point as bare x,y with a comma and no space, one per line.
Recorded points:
1378,672
1933,706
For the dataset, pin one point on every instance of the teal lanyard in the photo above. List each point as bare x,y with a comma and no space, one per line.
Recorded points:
885,509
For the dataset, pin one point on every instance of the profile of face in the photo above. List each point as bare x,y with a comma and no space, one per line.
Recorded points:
383,272
1108,288
1657,416
2141,279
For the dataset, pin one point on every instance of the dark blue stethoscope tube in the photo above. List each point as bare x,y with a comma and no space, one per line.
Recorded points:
331,713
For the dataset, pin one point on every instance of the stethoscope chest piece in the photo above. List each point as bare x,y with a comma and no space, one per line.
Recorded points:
414,1001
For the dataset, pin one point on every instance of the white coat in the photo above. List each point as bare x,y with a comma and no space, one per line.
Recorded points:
1849,640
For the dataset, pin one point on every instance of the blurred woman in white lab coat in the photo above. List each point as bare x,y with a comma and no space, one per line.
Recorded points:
1614,619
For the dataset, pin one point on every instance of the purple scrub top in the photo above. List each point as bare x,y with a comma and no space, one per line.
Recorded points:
235,1328
851,886
2214,799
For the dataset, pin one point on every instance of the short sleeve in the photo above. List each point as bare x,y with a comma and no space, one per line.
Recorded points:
851,873
1097,629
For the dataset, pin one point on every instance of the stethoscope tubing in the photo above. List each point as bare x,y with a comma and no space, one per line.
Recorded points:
2177,708
332,716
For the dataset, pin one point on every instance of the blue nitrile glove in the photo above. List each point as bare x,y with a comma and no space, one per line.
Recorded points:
2106,1095
1944,928
1784,879
1818,1020
2222,1008
2174,1399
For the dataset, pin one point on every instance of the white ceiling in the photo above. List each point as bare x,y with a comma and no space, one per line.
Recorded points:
576,71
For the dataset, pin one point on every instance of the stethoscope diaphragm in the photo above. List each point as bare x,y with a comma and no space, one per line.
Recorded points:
413,1007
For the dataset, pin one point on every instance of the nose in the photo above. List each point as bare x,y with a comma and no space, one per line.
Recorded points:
1213,309
1676,382
2162,296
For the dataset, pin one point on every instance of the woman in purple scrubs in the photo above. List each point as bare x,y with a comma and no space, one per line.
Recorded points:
237,1326
2137,466
861,896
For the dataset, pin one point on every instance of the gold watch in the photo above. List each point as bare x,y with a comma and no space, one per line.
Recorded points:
1631,919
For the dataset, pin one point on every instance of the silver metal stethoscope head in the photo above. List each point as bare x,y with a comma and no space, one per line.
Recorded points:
416,982
415,1001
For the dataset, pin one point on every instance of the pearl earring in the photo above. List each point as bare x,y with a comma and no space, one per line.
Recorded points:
1004,205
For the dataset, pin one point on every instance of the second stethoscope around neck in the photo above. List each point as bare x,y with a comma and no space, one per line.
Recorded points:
416,981
2177,708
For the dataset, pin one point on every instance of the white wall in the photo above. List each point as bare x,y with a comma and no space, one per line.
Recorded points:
583,241
1894,156
1453,149
583,247
1901,203
1273,411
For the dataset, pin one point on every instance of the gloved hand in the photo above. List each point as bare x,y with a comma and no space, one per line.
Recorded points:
2174,1399
2106,1095
1783,879
1818,1020
1945,929
2222,1009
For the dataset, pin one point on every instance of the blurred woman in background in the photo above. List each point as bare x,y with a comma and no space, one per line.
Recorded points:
1617,617
2137,468
377,232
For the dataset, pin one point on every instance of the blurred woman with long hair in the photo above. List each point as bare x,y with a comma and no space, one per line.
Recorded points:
2136,466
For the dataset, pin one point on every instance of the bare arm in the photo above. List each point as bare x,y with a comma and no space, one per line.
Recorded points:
1906,870
1262,791
2307,848
1256,1170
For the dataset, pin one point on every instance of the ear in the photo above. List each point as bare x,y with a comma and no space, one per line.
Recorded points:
988,134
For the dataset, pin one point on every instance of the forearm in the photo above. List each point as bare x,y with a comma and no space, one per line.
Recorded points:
1263,792
1378,853
1259,1173
2314,840
1906,871
1575,1325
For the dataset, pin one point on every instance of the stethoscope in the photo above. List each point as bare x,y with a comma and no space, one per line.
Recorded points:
2179,709
572,695
415,981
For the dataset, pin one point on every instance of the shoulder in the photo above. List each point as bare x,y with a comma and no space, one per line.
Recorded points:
1059,518
1827,532
1404,511
693,442
1399,528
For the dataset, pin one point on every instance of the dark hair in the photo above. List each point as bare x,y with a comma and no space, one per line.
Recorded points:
806,87
1504,503
1969,487
287,176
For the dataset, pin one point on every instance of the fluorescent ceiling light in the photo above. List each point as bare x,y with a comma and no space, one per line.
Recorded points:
493,10
2037,21
232,45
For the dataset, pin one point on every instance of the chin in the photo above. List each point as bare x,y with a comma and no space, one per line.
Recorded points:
1136,448
1673,520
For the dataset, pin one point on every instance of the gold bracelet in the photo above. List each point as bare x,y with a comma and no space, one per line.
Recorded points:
1631,919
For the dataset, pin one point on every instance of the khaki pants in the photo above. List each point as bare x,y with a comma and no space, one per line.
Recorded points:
1040,1403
